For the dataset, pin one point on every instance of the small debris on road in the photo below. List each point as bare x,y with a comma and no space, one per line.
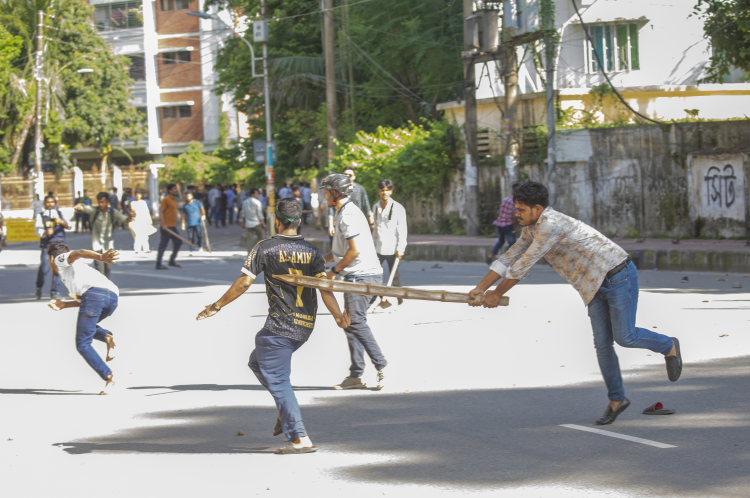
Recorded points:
724,335
240,433
684,280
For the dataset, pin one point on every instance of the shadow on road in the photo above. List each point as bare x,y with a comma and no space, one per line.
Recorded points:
501,437
46,392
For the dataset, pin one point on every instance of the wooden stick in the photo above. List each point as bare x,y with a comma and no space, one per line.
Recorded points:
382,290
178,236
205,232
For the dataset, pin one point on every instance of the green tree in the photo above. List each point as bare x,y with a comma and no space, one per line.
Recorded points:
417,157
191,166
83,108
727,25
10,49
404,57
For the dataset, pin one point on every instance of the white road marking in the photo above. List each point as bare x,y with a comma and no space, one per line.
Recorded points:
619,436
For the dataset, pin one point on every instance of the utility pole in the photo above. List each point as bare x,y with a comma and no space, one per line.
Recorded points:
549,48
510,64
330,60
38,174
470,126
269,144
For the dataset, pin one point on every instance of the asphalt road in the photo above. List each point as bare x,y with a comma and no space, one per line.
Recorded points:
475,402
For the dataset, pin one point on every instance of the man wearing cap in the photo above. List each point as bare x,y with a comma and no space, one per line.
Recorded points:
355,260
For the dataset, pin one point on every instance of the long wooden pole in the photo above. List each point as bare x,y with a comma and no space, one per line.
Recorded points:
381,290
205,234
179,237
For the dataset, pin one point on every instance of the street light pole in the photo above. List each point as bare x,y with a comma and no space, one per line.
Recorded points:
269,144
267,96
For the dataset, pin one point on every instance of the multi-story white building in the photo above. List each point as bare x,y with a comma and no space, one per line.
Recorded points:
654,52
173,56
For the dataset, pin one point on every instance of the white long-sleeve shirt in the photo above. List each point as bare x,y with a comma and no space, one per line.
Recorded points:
390,228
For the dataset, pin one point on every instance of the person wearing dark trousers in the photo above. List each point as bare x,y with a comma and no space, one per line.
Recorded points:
390,230
168,217
192,216
291,317
601,272
355,260
50,227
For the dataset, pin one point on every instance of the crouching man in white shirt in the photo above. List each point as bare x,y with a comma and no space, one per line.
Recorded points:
94,294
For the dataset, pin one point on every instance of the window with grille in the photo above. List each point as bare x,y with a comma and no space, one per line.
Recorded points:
137,67
120,15
178,111
175,57
616,45
175,4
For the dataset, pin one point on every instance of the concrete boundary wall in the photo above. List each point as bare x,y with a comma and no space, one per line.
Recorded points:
644,259
692,180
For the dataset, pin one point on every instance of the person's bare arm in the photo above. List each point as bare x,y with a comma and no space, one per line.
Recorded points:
236,290
351,255
108,257
58,305
343,320
183,221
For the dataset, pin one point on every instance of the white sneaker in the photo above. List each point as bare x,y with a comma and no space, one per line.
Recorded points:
381,380
350,383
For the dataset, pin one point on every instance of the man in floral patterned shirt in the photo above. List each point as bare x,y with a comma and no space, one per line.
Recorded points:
601,272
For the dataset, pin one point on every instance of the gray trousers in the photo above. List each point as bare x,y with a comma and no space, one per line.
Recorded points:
358,334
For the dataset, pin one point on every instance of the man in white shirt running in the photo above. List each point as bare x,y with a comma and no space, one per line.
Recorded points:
354,257
94,294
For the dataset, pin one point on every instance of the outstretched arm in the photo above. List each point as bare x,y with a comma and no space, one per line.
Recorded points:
236,290
58,305
343,320
108,257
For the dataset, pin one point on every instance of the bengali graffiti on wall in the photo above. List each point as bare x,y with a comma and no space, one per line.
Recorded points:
717,187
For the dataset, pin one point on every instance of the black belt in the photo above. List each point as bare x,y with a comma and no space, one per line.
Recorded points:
617,269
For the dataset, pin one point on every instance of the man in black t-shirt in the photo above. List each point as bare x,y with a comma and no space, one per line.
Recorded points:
291,316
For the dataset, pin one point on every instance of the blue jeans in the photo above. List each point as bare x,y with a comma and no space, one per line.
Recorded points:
358,334
612,313
502,234
195,235
271,362
45,269
96,305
